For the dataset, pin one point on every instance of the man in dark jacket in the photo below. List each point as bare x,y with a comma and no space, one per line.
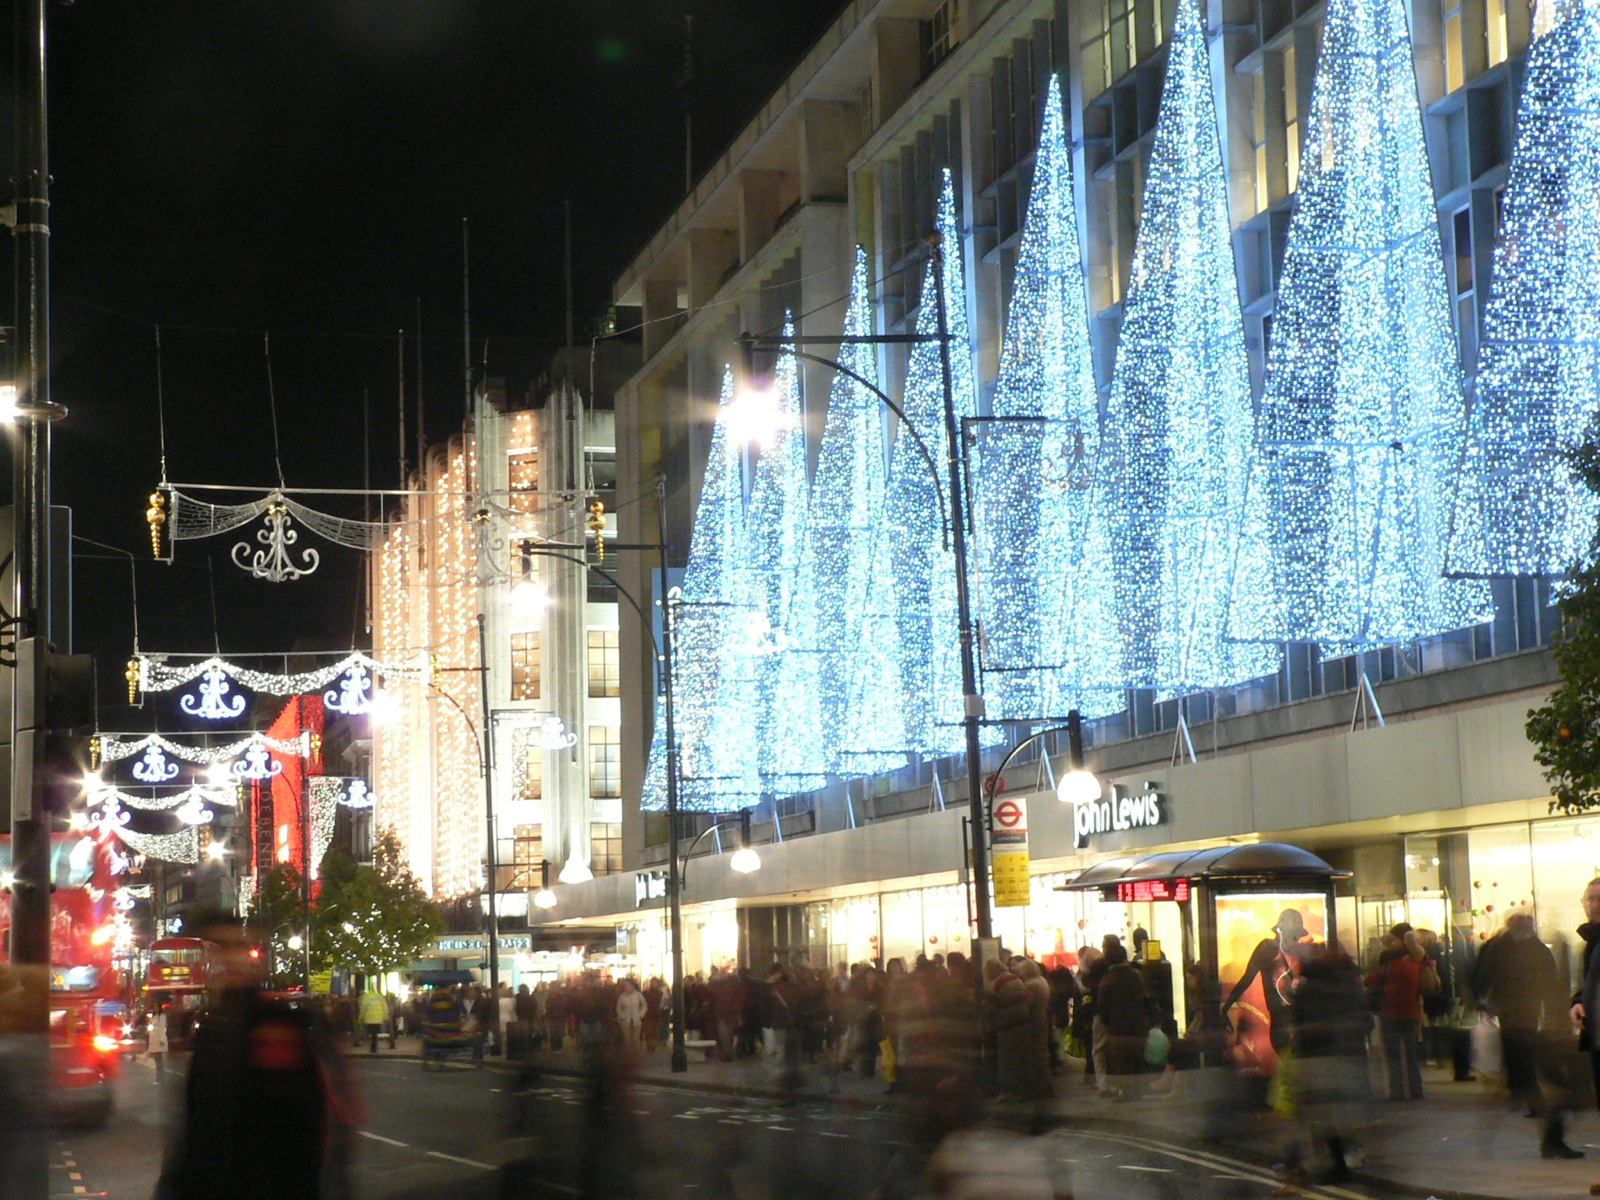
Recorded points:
1587,999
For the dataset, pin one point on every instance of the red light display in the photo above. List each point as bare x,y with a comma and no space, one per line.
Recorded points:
1143,891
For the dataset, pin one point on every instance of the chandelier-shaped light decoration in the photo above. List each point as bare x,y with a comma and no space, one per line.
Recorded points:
213,702
353,697
109,818
357,795
273,561
193,811
160,675
115,749
257,764
1362,427
554,734
154,767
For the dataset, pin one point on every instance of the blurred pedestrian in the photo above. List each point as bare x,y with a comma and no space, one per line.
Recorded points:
1585,1010
372,1012
631,1008
1329,1086
158,1043
1397,986
1124,1015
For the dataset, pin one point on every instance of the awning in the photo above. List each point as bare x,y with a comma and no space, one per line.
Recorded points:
1251,860
441,978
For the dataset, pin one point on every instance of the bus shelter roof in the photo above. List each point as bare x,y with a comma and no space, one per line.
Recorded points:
1251,860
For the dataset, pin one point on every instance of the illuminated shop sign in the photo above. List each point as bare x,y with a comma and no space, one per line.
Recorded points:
504,941
649,886
1121,812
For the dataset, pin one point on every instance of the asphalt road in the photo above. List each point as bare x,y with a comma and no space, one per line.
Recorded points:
464,1134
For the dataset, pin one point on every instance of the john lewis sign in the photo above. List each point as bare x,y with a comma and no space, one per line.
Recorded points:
1122,811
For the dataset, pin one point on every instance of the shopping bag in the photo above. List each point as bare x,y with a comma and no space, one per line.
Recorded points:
887,1064
1156,1047
1486,1054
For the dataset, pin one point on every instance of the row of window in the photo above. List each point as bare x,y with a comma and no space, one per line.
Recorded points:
605,766
525,868
605,664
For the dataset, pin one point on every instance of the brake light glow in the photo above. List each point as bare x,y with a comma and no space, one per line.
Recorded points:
105,1044
103,935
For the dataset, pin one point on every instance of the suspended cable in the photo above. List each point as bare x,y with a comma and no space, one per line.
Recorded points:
272,403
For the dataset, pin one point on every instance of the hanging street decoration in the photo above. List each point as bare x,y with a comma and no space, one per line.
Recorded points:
357,795
353,696
193,811
257,764
1362,426
158,674
1180,419
853,565
1520,509
275,556
154,767
554,734
111,817
273,562
110,748
228,797
211,702
1042,554
180,847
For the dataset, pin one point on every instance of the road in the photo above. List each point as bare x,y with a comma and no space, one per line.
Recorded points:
464,1134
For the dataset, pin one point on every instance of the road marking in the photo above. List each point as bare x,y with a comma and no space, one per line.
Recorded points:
1202,1158
1153,1170
75,1175
831,1133
378,1137
466,1162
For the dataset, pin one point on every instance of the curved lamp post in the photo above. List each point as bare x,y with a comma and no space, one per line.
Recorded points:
1078,785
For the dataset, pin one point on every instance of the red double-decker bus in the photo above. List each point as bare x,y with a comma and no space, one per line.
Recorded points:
86,1014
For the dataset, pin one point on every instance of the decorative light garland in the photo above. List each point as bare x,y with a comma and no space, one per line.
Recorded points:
153,767
180,847
224,796
112,748
158,675
326,793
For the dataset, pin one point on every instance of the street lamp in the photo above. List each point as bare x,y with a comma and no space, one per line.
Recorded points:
544,897
745,860
955,528
1077,785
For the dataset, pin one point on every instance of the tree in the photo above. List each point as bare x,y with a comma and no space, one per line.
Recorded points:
371,918
854,570
277,913
1362,424
1047,629
1520,509
1180,418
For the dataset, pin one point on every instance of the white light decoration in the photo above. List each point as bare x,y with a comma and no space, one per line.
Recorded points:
781,583
109,818
205,794
1043,577
854,566
180,847
193,812
715,681
115,749
274,561
160,675
1180,420
211,703
357,795
924,567
1362,425
353,697
554,735
326,793
257,764
1520,510
154,767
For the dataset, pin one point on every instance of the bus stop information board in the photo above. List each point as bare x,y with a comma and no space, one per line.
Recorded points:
1143,891
1009,861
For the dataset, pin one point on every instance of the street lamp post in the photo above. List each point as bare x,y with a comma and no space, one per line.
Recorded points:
1077,786
955,527
487,767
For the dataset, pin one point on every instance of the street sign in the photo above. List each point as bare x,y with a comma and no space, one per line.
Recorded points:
1009,862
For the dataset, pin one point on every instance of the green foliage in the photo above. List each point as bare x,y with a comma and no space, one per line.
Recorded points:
275,915
1565,731
371,919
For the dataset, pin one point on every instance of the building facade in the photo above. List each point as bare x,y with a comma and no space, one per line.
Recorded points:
1404,764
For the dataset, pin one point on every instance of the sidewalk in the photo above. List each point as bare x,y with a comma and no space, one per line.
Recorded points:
1463,1142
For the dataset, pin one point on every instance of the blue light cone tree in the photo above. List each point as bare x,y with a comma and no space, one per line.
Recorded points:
854,573
929,641
782,588
1180,419
1362,426
715,686
1519,510
1047,629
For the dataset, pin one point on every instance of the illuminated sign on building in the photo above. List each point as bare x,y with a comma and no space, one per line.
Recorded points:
1121,812
649,886
1144,891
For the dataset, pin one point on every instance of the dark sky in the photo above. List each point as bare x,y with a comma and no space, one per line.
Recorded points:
228,167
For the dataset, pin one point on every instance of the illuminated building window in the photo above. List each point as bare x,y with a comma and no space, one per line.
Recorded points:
605,847
522,471
1455,73
1291,116
525,671
1498,33
605,761
605,657
1258,139
530,767
527,854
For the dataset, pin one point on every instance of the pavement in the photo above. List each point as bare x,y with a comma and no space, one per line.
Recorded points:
1462,1142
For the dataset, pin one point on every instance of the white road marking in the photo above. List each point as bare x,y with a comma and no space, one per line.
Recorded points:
466,1162
1153,1170
378,1137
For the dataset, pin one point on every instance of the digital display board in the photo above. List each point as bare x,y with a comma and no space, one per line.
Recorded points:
1143,891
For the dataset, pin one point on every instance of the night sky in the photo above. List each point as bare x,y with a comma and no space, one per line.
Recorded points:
225,168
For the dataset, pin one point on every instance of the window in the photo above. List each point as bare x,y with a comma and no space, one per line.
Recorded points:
529,765
940,34
1498,33
605,847
525,870
1258,140
525,669
522,471
1462,225
1455,70
605,761
604,663
1291,116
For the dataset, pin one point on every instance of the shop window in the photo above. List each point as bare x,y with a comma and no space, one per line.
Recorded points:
525,665
605,761
605,656
605,847
523,872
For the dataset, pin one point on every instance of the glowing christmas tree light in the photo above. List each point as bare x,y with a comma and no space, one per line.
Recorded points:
1519,510
854,569
1047,630
714,679
1362,426
928,633
1180,418
782,587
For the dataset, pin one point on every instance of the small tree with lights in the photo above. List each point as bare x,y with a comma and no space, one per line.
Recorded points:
1565,730
371,918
